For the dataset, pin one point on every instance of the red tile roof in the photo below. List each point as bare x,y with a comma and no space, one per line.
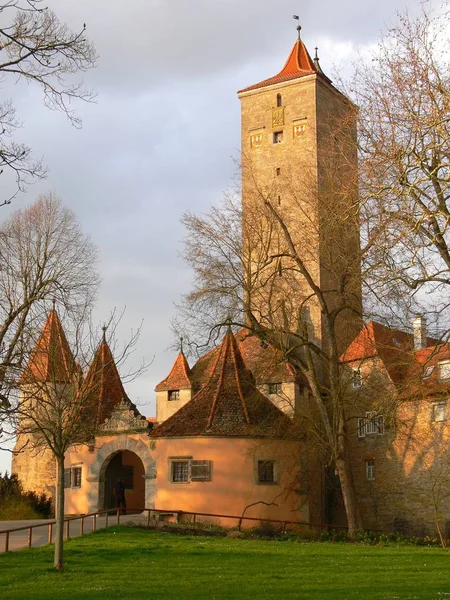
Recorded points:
51,358
102,385
265,362
228,405
298,64
178,378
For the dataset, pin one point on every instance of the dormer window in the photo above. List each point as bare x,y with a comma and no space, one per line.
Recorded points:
427,372
444,370
174,395
357,380
279,101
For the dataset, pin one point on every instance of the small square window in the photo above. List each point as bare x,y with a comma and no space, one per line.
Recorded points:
275,388
444,370
439,410
267,471
179,471
277,137
370,470
174,395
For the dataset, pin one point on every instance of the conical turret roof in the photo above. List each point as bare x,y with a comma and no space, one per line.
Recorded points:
228,405
102,385
299,64
51,359
178,378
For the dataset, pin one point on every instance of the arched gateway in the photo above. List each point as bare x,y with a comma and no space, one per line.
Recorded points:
127,457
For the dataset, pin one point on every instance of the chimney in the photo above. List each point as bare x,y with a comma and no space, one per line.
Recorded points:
420,332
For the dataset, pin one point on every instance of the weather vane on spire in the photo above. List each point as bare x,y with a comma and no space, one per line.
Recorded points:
299,28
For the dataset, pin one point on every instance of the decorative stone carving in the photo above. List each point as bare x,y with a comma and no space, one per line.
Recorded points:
277,116
123,419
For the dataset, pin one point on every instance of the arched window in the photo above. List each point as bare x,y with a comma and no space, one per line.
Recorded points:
279,100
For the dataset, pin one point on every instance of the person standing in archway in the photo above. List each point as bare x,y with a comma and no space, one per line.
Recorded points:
119,492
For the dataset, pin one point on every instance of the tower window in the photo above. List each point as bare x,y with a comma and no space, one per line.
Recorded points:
278,171
279,100
277,137
174,395
279,200
370,470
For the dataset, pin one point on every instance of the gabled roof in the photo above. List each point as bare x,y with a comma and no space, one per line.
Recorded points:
395,348
299,64
423,375
228,405
178,378
102,387
51,358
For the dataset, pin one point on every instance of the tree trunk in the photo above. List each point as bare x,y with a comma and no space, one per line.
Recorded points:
59,539
344,472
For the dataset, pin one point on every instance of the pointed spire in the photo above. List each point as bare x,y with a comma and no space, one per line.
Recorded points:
228,405
299,64
102,384
179,376
51,358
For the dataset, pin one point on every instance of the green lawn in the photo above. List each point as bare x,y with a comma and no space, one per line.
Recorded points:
133,563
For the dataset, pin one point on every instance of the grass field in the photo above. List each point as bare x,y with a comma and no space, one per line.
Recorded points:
133,563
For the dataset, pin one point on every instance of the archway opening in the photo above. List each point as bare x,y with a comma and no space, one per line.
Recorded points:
125,465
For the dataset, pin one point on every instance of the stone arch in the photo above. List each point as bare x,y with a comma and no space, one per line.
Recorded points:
104,455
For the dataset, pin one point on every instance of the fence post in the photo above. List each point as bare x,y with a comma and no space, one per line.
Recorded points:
67,530
82,526
95,522
7,542
50,532
148,517
118,516
30,535
284,526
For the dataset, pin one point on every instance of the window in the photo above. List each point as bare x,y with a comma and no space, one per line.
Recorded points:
427,372
267,471
174,395
439,411
279,200
370,424
187,469
279,100
278,171
72,477
357,380
277,137
76,477
275,388
370,470
67,478
444,370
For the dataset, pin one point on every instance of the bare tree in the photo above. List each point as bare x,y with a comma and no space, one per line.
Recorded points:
44,256
39,49
255,266
57,407
403,91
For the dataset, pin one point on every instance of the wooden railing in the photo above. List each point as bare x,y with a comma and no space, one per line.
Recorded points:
113,517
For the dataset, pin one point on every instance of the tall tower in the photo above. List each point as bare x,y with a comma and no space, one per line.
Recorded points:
299,160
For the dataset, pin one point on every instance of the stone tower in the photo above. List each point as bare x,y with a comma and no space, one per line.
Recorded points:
299,159
50,369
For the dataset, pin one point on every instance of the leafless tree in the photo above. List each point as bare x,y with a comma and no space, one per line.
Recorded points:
403,91
37,48
44,257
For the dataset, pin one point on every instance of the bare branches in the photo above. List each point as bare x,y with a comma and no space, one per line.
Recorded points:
37,48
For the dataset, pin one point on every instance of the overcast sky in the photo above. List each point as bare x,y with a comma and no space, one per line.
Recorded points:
164,135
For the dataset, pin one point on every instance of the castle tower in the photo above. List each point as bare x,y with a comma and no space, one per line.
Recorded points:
299,159
51,364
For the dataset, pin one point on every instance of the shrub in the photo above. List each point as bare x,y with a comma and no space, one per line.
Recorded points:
17,504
